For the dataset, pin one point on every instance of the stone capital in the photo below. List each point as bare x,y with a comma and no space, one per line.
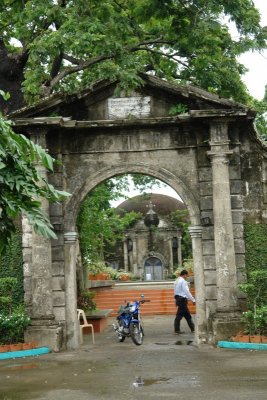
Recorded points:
70,237
195,231
220,156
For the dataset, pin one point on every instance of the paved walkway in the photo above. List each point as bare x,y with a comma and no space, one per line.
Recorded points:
166,366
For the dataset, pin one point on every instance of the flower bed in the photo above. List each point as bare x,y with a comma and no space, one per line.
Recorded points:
245,338
5,348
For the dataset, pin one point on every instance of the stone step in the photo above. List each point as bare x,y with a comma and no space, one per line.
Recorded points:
161,300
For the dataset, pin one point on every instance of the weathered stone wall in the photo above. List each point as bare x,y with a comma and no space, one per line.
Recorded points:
211,157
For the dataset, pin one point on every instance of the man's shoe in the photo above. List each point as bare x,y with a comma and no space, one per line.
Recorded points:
178,332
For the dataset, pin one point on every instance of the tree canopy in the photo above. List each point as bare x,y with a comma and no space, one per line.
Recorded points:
21,186
65,44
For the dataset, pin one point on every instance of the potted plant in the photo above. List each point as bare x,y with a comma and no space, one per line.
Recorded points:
124,275
97,271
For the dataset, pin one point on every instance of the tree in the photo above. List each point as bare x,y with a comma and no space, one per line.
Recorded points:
58,45
261,118
98,223
180,218
21,187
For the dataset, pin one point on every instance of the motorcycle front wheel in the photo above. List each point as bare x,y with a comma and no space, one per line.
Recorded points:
136,333
121,337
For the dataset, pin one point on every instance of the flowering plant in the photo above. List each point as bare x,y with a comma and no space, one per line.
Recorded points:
12,327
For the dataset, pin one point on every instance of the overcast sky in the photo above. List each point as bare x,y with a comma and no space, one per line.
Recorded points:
256,77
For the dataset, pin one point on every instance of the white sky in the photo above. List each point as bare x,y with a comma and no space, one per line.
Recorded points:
256,77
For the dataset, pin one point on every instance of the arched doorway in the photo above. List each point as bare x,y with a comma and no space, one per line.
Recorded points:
154,269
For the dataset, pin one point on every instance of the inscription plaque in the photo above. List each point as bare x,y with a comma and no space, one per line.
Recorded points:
127,107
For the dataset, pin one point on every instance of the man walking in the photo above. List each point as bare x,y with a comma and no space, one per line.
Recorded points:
181,295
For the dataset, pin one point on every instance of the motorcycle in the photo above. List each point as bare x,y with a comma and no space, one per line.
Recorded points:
129,322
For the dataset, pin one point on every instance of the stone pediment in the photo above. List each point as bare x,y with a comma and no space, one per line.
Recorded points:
154,99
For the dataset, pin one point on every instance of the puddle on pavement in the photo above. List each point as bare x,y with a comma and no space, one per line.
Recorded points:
178,343
184,342
33,365
20,367
139,382
162,343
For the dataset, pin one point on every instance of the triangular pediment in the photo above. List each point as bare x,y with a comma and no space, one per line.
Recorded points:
157,98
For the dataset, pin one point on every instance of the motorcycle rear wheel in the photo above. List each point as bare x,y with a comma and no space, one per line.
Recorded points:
136,333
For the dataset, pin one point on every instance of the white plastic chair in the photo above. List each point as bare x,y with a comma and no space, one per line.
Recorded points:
81,313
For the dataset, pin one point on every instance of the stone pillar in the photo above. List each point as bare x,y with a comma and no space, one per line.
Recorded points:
171,255
222,214
70,254
44,328
135,269
200,321
179,249
125,255
227,303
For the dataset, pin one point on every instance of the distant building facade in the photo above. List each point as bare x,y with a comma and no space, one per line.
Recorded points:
151,249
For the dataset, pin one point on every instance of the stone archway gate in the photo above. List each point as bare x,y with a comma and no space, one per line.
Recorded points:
209,154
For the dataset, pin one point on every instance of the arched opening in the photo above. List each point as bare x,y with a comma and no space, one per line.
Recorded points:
159,271
116,230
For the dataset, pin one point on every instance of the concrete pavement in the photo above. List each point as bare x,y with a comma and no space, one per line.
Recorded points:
166,366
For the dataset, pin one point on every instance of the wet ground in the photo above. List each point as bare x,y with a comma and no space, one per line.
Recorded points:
166,366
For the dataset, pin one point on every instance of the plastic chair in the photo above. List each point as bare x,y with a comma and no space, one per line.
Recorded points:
81,313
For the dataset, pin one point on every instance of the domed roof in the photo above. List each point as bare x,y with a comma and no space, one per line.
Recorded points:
163,205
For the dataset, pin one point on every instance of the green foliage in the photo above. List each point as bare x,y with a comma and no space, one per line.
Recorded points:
256,321
22,186
96,267
85,300
178,109
13,319
256,247
12,326
180,219
7,288
98,223
256,286
69,44
11,266
261,117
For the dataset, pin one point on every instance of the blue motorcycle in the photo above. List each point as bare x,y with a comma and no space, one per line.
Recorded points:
129,322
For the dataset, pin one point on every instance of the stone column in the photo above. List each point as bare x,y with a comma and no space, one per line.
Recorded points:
200,321
70,254
179,249
44,328
135,269
125,255
171,255
222,214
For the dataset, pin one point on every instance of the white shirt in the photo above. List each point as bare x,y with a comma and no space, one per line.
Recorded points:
181,289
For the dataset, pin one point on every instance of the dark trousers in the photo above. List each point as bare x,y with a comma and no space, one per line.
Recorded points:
182,311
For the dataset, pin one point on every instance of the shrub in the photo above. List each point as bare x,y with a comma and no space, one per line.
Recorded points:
85,301
12,326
